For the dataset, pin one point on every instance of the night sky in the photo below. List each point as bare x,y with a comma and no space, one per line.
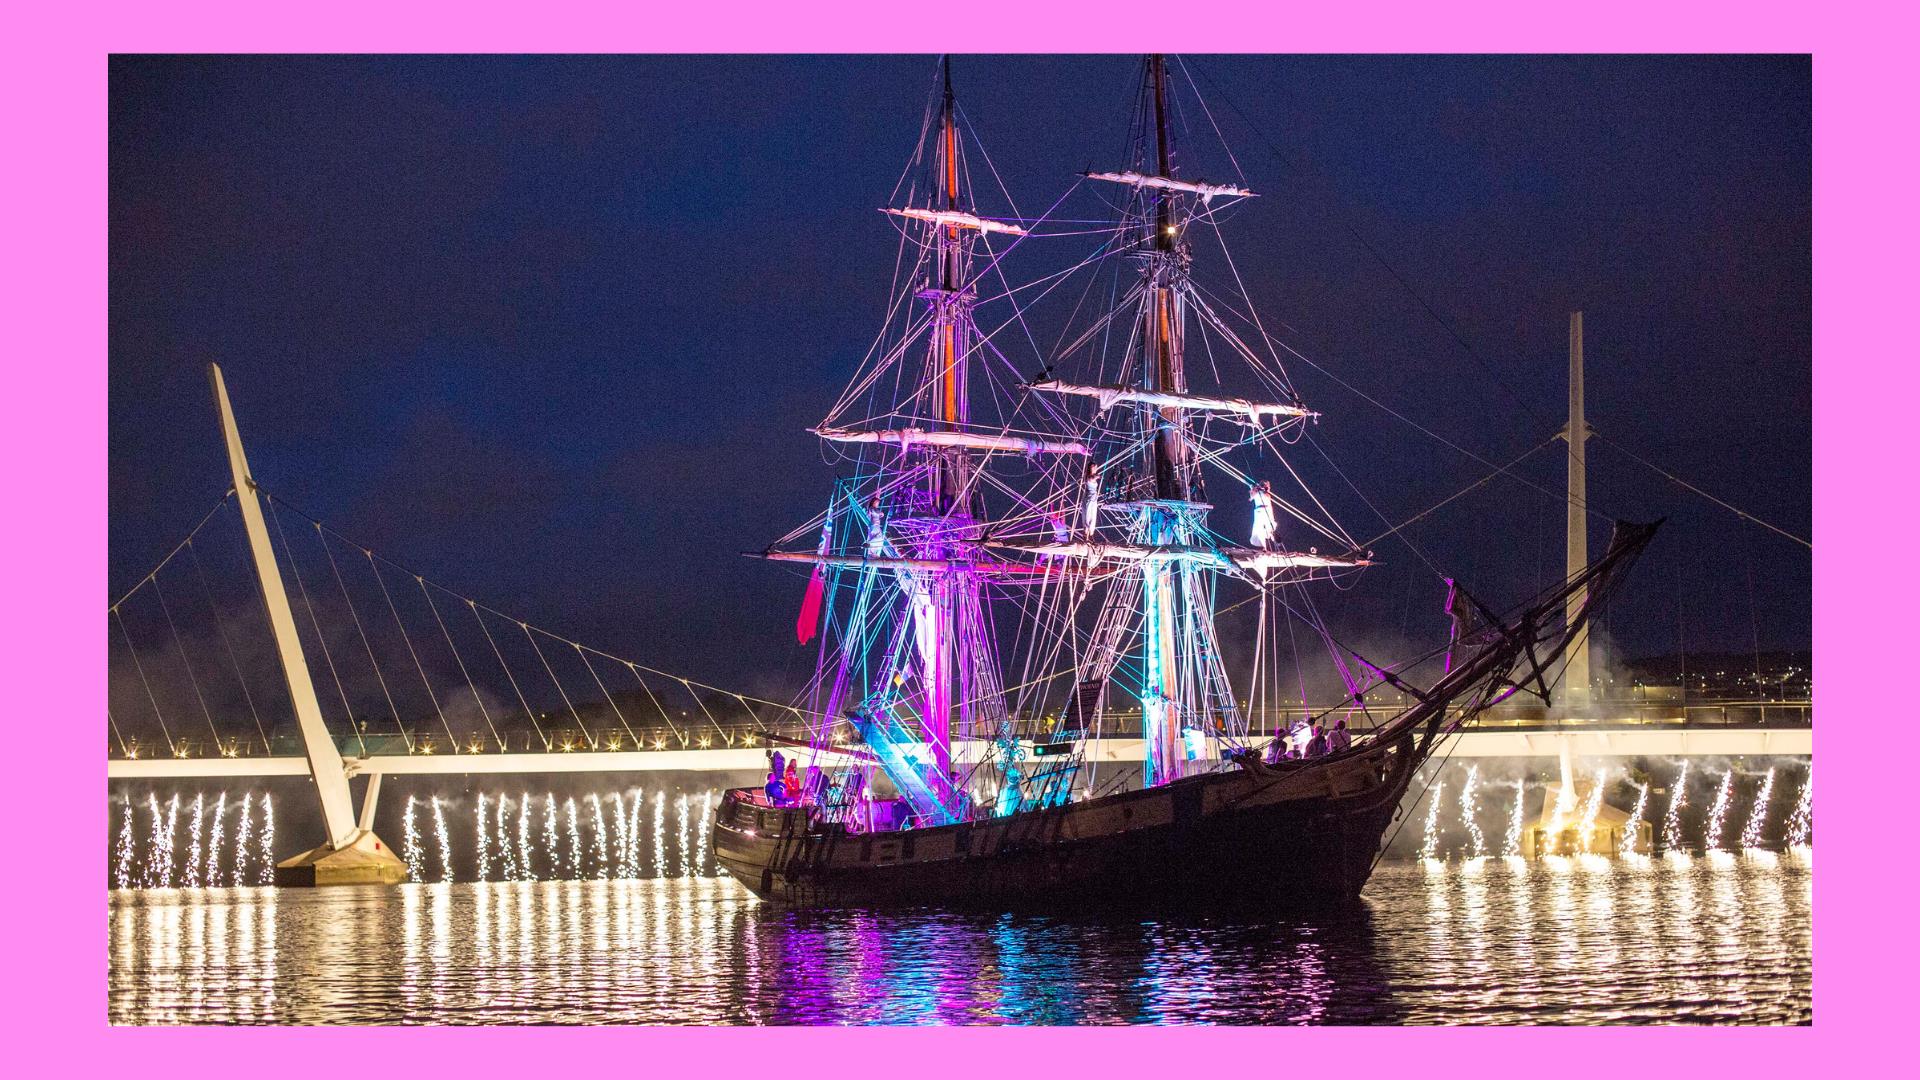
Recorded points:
551,330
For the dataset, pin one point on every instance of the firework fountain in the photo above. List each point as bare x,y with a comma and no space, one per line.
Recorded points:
1800,825
196,830
621,848
1717,817
446,843
1517,822
410,844
573,837
1470,813
602,868
1670,831
684,810
266,839
480,835
659,834
123,852
1590,814
633,833
1754,834
242,834
1430,848
1633,820
550,834
703,859
213,841
523,853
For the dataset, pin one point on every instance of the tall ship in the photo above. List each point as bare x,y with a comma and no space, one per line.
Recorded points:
1023,694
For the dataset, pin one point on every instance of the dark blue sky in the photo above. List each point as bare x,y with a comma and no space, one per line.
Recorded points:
550,330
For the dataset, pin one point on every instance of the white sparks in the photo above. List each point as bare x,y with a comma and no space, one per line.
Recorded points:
1717,817
446,843
1469,812
242,834
573,837
1430,850
1800,825
1633,821
1670,831
410,843
1510,846
480,835
123,853
213,841
1590,814
1755,833
196,828
266,839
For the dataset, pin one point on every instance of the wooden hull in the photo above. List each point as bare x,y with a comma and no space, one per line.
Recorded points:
1253,837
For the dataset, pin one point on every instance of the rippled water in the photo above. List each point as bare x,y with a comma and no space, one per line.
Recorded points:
1722,939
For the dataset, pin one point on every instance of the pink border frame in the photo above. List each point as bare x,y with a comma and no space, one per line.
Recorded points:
57,96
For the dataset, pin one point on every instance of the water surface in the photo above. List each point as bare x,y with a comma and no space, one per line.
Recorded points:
1719,939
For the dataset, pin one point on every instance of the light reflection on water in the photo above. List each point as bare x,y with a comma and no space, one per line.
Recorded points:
1720,939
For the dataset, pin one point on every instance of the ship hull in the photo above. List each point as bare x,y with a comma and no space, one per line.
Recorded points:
1253,836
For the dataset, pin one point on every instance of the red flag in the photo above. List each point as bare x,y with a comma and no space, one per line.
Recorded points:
809,621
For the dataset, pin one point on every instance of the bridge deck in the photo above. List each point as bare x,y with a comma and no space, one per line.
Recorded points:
1585,740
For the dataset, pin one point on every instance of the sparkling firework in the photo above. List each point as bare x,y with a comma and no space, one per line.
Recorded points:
550,832
524,853
507,870
1510,846
266,839
1800,825
446,844
166,841
703,856
1590,815
196,828
480,835
1430,850
1754,833
1717,818
1670,831
213,841
123,851
682,807
410,844
242,834
659,834
602,866
633,834
150,872
621,849
1633,820
1469,812
573,837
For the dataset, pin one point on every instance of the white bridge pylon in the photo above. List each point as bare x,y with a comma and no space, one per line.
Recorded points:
323,758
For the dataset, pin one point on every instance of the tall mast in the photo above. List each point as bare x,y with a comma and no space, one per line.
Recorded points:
1579,682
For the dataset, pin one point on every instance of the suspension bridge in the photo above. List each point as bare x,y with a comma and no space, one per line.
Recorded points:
266,644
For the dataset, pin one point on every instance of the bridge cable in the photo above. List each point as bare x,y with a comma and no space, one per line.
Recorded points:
194,680
407,639
117,737
313,616
511,681
141,668
220,623
527,630
582,654
1722,503
704,709
484,715
635,668
365,642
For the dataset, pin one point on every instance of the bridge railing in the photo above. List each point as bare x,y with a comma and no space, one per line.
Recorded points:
1123,723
